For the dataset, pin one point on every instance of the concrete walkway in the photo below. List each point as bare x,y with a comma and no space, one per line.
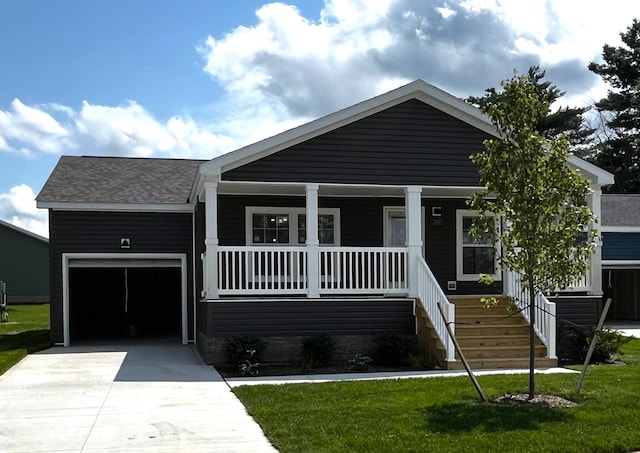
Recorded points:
130,398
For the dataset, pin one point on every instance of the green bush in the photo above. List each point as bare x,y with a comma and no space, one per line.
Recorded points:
392,349
574,343
317,350
241,348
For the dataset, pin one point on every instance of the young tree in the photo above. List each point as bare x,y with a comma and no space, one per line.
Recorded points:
619,153
565,122
541,201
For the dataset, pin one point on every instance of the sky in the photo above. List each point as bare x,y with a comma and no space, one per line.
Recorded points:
196,79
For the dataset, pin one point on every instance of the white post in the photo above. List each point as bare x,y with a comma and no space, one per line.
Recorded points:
413,222
313,243
210,283
595,268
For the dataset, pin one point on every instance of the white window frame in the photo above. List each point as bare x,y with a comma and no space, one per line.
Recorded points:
293,224
460,214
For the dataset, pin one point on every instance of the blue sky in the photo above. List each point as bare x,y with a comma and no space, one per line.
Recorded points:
199,78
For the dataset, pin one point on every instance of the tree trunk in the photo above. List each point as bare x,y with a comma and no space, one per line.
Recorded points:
532,339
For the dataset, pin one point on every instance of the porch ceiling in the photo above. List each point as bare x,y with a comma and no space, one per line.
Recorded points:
339,190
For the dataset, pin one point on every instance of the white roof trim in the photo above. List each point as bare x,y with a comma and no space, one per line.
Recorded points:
602,177
23,231
124,207
417,89
619,229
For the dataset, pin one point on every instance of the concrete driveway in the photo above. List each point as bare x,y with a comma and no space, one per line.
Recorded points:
124,398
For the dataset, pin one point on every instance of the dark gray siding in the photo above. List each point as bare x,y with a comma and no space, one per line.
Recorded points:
409,144
582,311
24,266
440,247
282,318
621,246
362,225
100,232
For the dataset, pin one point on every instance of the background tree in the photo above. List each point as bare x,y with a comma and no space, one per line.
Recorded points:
565,122
541,201
619,151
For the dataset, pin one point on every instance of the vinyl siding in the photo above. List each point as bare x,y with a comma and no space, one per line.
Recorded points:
24,266
100,232
282,318
408,144
621,246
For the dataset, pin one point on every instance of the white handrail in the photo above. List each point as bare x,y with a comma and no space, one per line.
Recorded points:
545,310
429,294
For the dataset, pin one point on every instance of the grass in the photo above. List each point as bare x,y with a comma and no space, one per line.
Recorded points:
445,414
27,331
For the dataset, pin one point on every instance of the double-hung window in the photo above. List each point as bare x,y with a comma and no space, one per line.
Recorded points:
475,255
288,226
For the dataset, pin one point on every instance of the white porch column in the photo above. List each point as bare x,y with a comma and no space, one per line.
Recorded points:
210,270
313,243
413,222
595,269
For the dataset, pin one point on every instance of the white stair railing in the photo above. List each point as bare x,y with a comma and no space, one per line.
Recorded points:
545,310
429,294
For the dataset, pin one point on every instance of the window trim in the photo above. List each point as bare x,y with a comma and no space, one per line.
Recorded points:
293,224
460,275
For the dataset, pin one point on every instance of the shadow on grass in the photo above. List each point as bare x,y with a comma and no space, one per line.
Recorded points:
490,417
31,340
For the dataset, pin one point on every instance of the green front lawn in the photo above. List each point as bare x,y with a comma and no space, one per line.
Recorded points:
27,331
445,415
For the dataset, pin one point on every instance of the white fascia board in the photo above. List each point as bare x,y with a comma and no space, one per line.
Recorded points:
23,231
601,177
415,90
122,207
619,229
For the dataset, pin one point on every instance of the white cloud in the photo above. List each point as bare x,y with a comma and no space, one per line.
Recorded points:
30,127
18,207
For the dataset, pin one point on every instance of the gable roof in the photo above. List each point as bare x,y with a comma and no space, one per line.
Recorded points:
115,180
417,89
23,231
620,210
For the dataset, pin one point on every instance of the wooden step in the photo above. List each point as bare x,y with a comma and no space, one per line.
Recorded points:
463,330
515,363
491,341
490,320
505,352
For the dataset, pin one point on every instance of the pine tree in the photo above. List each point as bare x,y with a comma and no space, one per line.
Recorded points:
619,152
565,122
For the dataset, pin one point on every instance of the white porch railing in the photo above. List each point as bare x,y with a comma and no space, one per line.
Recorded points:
284,270
545,311
429,294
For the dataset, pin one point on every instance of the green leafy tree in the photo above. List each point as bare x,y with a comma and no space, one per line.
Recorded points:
565,122
541,201
619,152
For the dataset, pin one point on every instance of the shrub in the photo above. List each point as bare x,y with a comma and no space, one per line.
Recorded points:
359,363
392,349
317,350
242,348
574,343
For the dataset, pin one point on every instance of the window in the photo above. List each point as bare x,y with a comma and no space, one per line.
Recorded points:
271,225
475,256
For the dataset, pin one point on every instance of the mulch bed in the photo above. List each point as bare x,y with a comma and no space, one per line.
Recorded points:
538,400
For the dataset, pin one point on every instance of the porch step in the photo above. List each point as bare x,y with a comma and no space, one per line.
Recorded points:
490,364
492,338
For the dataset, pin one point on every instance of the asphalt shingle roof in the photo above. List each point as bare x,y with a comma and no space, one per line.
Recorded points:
88,179
621,210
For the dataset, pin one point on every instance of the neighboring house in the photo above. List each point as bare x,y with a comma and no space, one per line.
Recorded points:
353,225
621,255
24,264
